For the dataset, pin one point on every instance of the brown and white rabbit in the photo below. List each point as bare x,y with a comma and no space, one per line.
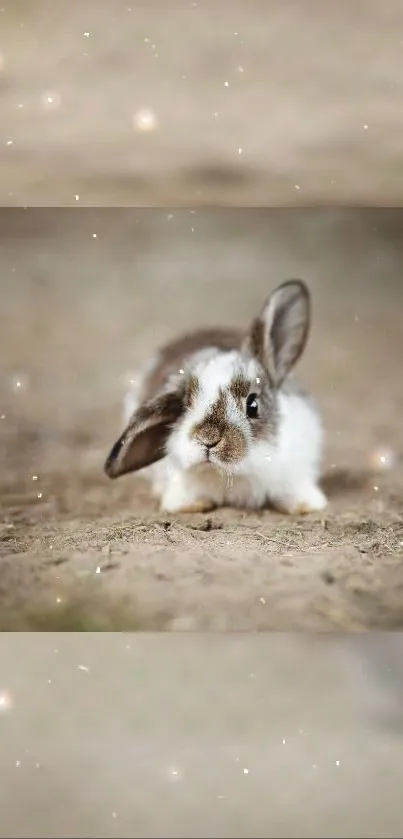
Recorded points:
218,416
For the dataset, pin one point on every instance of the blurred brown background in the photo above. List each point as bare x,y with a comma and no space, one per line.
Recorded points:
233,102
275,735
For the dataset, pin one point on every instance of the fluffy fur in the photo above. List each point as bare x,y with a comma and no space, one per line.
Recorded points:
192,425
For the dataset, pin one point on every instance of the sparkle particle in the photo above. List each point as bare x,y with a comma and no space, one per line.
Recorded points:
144,120
5,702
174,773
382,459
51,100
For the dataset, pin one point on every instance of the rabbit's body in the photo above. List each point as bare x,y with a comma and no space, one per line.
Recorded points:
216,419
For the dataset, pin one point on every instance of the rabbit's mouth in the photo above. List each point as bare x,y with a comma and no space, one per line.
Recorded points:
212,461
220,460
225,465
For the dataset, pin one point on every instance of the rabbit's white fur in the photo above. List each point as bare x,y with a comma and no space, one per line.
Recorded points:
284,472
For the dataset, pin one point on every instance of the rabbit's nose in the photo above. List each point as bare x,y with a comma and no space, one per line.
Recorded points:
212,444
209,439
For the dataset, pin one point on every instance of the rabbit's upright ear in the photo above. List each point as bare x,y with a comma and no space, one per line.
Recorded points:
278,335
143,441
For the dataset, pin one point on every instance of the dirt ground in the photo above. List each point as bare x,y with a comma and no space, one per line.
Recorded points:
250,103
86,295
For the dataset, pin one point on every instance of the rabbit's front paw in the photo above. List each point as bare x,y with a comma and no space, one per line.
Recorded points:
201,505
309,499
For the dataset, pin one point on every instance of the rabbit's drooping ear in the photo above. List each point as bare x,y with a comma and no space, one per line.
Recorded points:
143,441
279,334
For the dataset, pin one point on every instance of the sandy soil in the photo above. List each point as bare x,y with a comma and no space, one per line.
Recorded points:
254,103
79,313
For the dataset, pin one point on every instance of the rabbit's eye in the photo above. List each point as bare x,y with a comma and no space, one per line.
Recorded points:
252,407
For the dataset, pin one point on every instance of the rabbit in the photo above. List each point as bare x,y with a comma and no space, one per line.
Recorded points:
218,420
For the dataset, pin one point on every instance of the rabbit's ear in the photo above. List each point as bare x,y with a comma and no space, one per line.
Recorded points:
278,335
143,441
